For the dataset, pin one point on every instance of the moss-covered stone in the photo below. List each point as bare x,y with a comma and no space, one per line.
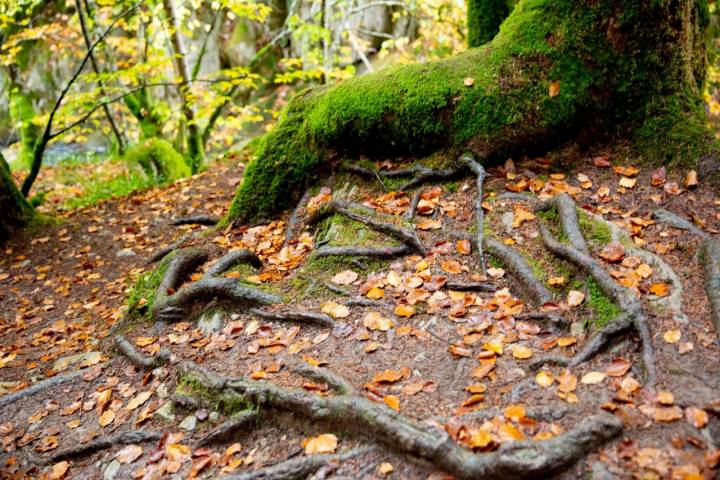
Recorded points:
158,159
483,20
555,67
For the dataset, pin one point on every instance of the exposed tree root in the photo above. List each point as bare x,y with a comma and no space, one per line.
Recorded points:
138,359
172,305
518,267
674,301
297,468
233,258
103,443
372,252
295,219
408,237
414,202
164,252
480,175
631,318
470,286
358,414
711,255
567,214
354,300
39,387
229,428
676,221
300,316
553,318
544,414
420,173
207,220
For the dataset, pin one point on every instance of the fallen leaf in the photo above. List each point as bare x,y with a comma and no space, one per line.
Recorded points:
106,418
618,367
138,400
592,378
672,336
59,470
346,277
335,310
665,397
575,298
469,81
521,352
496,272
463,247
129,454
405,311
544,379
613,252
691,179
556,281
659,289
392,401
375,321
375,293
627,182
514,412
324,443
696,417
554,89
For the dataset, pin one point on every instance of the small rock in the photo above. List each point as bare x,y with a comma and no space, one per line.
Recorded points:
111,470
165,413
188,424
210,323
214,417
162,390
125,252
201,414
507,220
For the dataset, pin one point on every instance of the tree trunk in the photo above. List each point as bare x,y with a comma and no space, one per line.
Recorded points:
634,68
483,20
15,212
194,151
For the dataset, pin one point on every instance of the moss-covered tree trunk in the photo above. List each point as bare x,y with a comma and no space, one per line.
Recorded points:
634,68
483,20
15,212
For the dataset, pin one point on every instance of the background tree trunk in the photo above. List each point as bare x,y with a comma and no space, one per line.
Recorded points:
15,211
483,20
634,68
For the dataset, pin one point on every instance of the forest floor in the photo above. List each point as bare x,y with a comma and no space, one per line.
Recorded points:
454,349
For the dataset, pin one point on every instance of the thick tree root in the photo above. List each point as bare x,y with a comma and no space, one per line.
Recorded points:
676,221
357,414
674,301
232,259
544,414
480,175
414,202
710,252
553,318
103,443
172,305
372,252
297,468
295,220
518,267
470,286
39,387
354,300
567,214
138,359
229,429
300,316
207,220
631,318
420,173
406,236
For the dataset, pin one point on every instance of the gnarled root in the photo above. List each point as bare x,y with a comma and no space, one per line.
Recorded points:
357,414
233,258
420,173
137,358
480,175
297,468
631,318
676,221
102,443
567,214
710,252
300,316
229,428
373,252
518,267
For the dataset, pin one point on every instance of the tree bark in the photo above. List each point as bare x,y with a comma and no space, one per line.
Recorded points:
15,211
194,145
634,69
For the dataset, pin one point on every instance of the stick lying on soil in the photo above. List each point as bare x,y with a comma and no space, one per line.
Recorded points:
357,414
297,468
102,443
207,220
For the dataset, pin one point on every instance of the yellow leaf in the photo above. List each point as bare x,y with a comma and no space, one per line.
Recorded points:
335,310
375,293
138,400
544,379
555,281
386,468
521,352
659,289
392,401
672,336
575,298
554,89
592,378
375,321
480,439
566,341
406,311
514,412
176,452
59,470
106,418
665,397
627,182
324,443
145,341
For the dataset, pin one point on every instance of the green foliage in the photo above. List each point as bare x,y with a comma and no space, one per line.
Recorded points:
158,159
596,233
141,297
22,114
483,20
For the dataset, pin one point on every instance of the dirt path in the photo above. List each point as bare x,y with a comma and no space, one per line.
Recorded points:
425,334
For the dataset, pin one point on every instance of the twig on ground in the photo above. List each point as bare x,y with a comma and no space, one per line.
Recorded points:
40,386
105,442
228,429
207,220
138,359
480,175
300,316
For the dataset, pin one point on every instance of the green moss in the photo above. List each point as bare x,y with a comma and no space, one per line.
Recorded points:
223,401
338,230
596,233
612,63
158,159
483,20
604,310
15,211
141,297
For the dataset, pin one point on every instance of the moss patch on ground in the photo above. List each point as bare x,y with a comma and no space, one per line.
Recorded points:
223,401
141,297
